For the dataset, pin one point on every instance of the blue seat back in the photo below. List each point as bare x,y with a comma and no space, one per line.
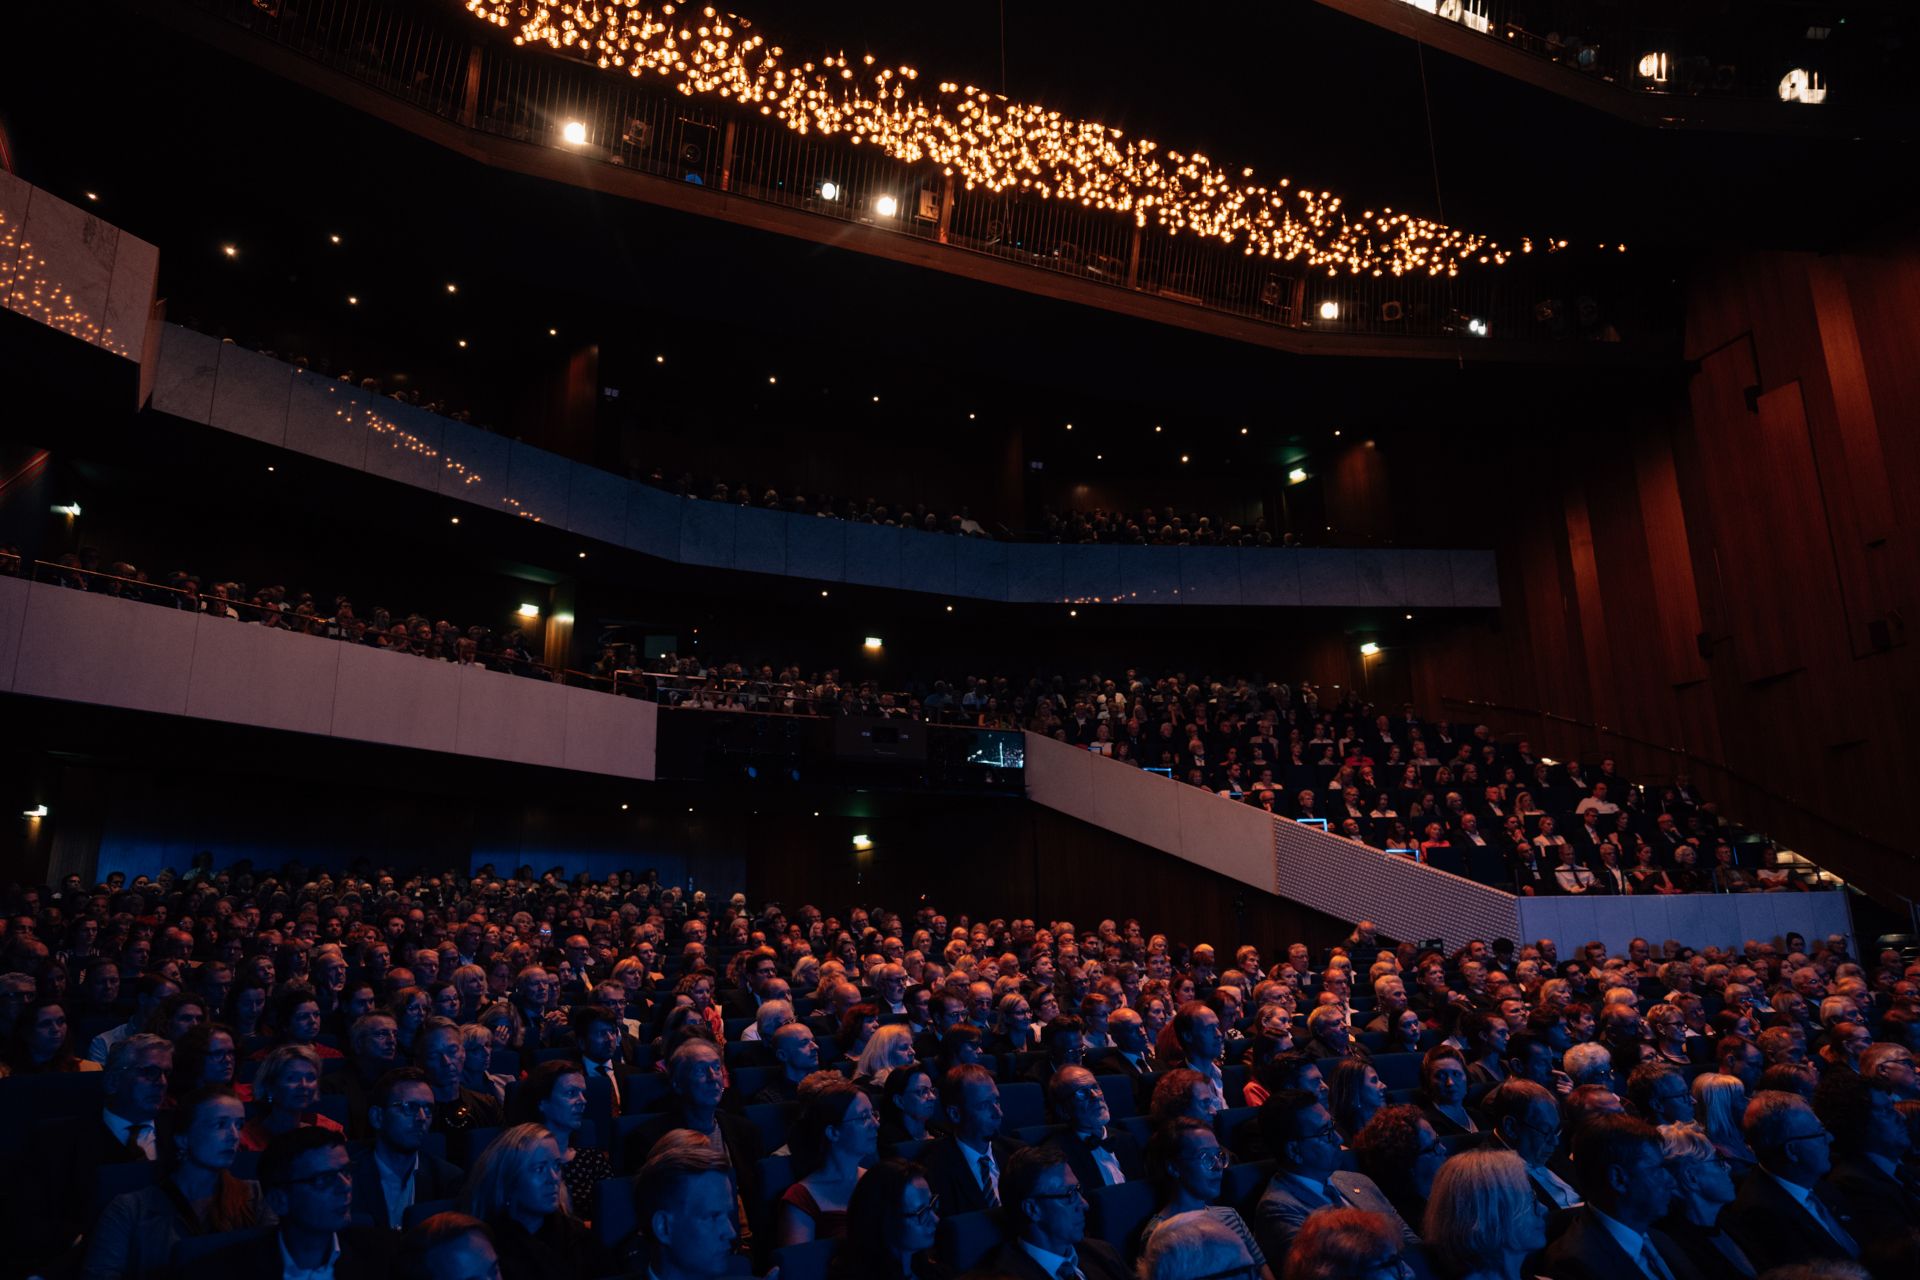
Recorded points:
646,1091
1243,1184
613,1216
1227,1123
805,1261
116,1179
965,1239
1035,1134
1398,1070
1234,1078
191,1249
1114,1213
771,1120
1139,1128
1120,1099
27,1100
1021,1104
424,1210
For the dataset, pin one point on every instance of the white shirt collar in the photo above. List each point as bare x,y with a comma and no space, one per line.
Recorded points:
1626,1236
1049,1262
291,1270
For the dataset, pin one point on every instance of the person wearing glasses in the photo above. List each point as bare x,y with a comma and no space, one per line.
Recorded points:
517,1187
1399,1150
1046,1220
199,1195
307,1177
1781,1214
1483,1220
1703,1186
1615,1235
391,1173
1525,1120
891,1220
1099,1154
1304,1143
1186,1165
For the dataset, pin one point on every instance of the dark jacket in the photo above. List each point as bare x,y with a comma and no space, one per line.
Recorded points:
1097,1260
1133,1161
433,1179
366,1253
950,1177
1707,1257
1586,1250
741,1138
563,1248
1773,1229
1869,1196
54,1206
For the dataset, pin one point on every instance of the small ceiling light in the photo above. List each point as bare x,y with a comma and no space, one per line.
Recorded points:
970,417
529,611
463,344
623,806
659,359
861,843
38,811
1099,457
886,206
574,132
1296,475
823,595
1409,617
949,608
876,399
69,510
93,195
873,642
553,333
1336,433
1329,310
583,555
333,239
1368,649
829,191
1183,457
1156,428
1243,431
1069,426
456,520
231,250
453,288
772,380
1073,613
353,299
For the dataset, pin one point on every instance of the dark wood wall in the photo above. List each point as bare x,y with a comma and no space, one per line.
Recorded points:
1723,577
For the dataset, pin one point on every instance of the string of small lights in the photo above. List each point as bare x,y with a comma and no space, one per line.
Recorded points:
27,287
986,140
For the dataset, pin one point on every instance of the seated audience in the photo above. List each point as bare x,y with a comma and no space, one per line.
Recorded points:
891,1218
1356,1095
836,1131
1099,1154
516,1187
307,1183
1196,1246
1869,1141
440,1051
1782,1214
391,1172
909,1106
555,1095
197,1194
1703,1185
697,1080
448,1246
1301,1138
1185,1163
41,1043
1045,1213
287,1085
1443,1091
1346,1244
1399,1150
1483,1219
683,1199
1720,1105
797,1055
964,1165
1622,1172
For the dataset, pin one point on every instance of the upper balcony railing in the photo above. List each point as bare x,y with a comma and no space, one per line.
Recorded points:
578,124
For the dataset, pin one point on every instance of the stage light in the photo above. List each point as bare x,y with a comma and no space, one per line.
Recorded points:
1329,310
829,191
38,811
529,610
873,644
1296,475
861,843
1368,649
886,206
1653,66
69,510
575,133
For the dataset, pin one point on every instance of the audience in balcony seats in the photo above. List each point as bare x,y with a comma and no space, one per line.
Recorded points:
965,1164
391,1170
1045,1211
286,1086
196,1194
557,1095
517,1187
1628,1190
1299,1135
306,1179
1399,1150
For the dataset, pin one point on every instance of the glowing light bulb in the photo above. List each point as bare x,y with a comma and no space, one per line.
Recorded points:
574,132
1329,310
886,206
829,191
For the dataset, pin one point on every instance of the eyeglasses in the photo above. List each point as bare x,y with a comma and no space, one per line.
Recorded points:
1071,1193
1818,1136
926,1212
1215,1159
1329,1134
323,1181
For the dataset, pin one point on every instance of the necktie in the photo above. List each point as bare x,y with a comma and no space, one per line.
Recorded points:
1068,1271
613,1086
1731,1252
1337,1201
1651,1262
987,1183
1832,1225
135,1140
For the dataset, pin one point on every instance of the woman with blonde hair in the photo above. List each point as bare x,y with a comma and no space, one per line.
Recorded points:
1720,1102
517,1188
887,1048
288,1082
1483,1218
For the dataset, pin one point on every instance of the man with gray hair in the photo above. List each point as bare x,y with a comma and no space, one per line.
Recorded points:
696,1079
1590,1064
1781,1215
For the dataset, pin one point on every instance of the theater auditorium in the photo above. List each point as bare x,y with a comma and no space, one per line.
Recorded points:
998,641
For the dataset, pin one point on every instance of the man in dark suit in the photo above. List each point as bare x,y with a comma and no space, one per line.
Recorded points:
744,1001
1782,1214
697,1080
1046,1214
1526,1121
391,1173
307,1180
797,1055
64,1154
964,1166
1628,1190
1131,1056
1098,1154
1299,1133
1869,1139
598,1032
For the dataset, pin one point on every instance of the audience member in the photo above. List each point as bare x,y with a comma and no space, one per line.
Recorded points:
1703,1186
836,1131
391,1171
307,1182
891,1218
964,1165
1782,1215
1185,1163
516,1187
1300,1136
1623,1174
1046,1219
1483,1218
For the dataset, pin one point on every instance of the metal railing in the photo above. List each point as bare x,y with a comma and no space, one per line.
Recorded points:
442,66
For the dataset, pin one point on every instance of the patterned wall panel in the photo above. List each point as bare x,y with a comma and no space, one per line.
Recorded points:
1405,898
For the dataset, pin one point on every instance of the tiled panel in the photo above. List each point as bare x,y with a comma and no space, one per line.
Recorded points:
760,540
610,735
64,268
326,419
1222,835
597,505
508,717
404,443
80,647
250,394
927,562
873,554
980,569
706,533
1134,803
538,485
816,548
136,272
1211,575
1090,573
1352,881
13,616
245,674
1476,580
1270,577
653,522
1060,777
1034,573
183,383
397,699
1427,578
473,465
1151,575
15,194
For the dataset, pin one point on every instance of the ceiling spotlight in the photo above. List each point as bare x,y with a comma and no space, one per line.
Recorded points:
829,191
69,510
1243,431
1099,457
231,250
970,417
1336,433
453,288
529,610
1183,457
1296,475
93,195
333,239
1409,617
876,399
873,642
823,595
1329,310
1156,428
574,132
659,359
886,206
463,344
553,333
949,608
772,380
1368,649
1073,613
455,520
583,555
353,299
1477,327
623,806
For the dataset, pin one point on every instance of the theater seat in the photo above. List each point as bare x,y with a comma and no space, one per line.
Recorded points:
776,1175
806,1261
1234,1080
1021,1104
1114,1214
1398,1070
909,1150
1227,1126
424,1210
613,1216
25,1101
771,1120
965,1239
1034,1134
116,1179
1139,1128
1120,1099
747,1081
646,1091
466,1145
1242,1184
191,1249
